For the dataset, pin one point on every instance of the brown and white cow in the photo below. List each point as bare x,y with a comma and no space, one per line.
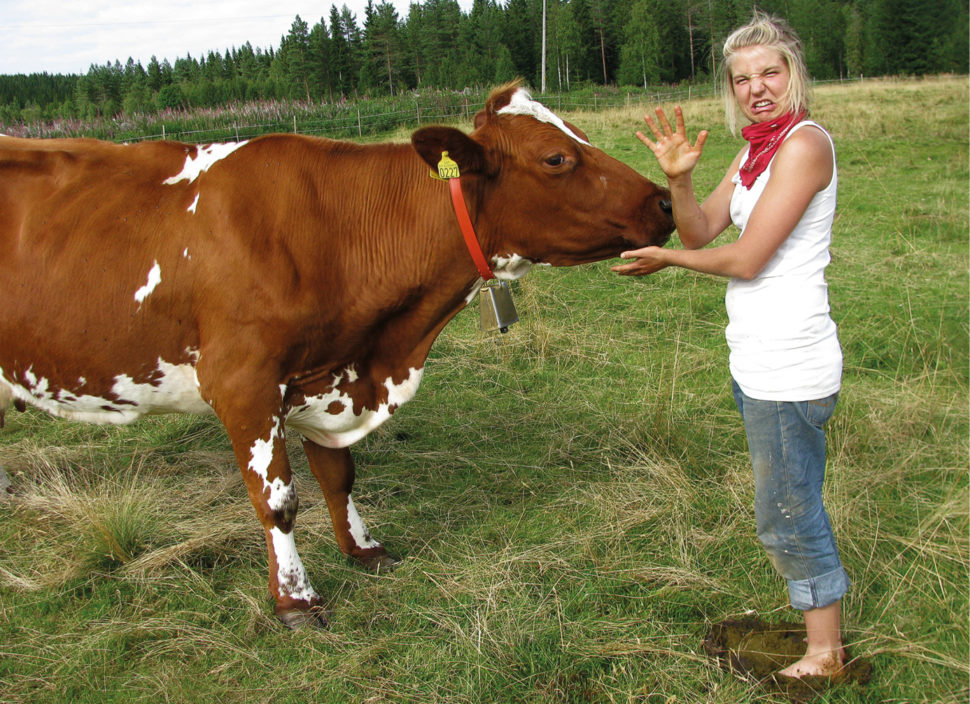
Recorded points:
286,284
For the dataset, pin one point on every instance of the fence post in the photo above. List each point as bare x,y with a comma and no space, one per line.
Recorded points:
163,131
294,124
360,133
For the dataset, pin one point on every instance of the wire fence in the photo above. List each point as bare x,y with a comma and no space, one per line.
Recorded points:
358,119
361,119
364,120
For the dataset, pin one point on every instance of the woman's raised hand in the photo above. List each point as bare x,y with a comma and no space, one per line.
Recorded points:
674,152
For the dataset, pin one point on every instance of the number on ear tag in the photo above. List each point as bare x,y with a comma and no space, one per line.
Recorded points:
447,167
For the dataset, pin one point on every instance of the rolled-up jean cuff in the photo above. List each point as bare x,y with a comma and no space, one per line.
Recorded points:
818,592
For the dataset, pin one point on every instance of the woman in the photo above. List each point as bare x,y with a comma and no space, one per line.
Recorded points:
785,359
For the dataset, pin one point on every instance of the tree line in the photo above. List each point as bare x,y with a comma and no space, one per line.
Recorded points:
609,42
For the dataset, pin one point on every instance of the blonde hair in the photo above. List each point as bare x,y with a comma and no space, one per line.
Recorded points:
772,33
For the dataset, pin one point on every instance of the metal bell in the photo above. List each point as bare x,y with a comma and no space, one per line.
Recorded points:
497,311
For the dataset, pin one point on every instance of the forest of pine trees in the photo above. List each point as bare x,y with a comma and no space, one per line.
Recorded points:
611,42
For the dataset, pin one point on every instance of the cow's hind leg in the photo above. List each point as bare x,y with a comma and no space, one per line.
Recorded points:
266,472
334,470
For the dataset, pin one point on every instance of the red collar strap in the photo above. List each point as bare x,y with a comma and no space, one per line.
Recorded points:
467,230
448,171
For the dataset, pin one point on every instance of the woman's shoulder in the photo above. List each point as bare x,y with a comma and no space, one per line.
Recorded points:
809,135
807,149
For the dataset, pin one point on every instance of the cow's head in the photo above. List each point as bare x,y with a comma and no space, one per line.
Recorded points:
543,192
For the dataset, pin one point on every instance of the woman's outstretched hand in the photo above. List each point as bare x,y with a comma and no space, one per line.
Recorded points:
674,152
649,260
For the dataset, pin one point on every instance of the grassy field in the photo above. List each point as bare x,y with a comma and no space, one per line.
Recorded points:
573,500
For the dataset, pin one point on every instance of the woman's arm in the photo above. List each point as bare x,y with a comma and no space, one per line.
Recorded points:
801,168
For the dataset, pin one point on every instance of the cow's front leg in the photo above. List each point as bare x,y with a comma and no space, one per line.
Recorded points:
334,470
261,452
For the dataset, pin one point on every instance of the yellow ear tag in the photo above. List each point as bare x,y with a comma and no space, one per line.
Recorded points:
447,167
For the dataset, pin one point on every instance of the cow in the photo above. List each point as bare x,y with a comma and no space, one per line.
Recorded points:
286,284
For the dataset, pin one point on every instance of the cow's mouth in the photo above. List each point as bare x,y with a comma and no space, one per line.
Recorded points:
634,241
607,250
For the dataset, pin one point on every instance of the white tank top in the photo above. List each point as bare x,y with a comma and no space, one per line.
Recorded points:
784,345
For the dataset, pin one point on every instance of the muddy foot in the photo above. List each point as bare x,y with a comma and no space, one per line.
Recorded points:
827,664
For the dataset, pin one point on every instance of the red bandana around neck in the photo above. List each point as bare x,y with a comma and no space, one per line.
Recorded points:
765,138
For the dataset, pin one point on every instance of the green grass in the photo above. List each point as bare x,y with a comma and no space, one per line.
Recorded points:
572,500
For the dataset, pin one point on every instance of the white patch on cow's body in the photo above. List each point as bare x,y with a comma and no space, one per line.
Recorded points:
316,421
154,279
178,390
195,204
261,456
204,158
261,453
513,266
523,104
185,253
290,573
174,388
358,530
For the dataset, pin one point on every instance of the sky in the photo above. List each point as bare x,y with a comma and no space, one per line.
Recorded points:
55,36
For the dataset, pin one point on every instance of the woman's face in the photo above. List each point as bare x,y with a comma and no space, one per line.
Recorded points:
759,77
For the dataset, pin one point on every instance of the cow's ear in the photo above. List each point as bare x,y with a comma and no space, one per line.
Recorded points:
430,142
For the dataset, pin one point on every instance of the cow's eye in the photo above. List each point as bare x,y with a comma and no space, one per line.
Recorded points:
555,160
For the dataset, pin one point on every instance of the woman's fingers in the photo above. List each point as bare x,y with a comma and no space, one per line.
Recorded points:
653,127
701,138
664,122
679,117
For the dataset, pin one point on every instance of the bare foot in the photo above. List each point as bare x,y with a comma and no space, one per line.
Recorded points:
824,664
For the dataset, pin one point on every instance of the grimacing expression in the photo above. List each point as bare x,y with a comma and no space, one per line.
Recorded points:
760,78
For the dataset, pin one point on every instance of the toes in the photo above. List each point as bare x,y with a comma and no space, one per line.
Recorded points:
826,666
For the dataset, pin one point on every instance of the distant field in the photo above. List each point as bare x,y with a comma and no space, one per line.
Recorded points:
573,500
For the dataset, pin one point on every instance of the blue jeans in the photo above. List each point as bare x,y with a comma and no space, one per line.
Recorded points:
787,445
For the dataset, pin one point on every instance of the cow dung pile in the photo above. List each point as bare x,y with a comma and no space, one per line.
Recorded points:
758,650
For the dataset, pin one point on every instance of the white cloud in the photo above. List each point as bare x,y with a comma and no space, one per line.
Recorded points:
52,36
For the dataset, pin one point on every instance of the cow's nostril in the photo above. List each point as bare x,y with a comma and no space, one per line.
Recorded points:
666,206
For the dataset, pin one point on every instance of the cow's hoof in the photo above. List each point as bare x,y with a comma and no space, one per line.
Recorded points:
296,619
378,563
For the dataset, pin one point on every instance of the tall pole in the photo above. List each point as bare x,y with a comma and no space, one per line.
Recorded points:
543,46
